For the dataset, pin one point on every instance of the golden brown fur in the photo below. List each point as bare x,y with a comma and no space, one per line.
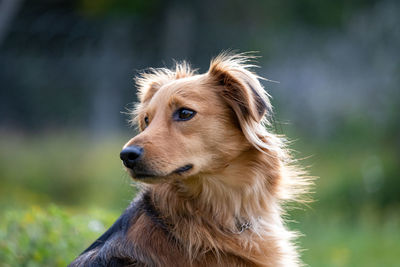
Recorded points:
241,172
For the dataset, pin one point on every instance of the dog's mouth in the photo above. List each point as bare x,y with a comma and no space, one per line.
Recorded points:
183,169
142,174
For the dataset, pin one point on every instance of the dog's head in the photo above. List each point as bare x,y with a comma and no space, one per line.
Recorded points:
194,123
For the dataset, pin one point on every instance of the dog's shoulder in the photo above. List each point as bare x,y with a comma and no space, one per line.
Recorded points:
133,240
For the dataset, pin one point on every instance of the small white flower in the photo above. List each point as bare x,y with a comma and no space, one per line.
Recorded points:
96,226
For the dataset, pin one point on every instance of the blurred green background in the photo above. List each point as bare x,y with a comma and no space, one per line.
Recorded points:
66,70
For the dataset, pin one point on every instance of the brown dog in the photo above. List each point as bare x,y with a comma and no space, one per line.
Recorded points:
213,178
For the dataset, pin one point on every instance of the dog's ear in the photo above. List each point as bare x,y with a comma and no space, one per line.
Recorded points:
239,87
150,81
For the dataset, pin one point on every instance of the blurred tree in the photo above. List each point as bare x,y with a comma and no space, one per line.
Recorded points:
70,63
8,10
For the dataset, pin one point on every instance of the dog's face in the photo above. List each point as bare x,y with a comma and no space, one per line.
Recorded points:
190,125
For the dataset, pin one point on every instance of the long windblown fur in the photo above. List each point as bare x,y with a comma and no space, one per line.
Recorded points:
243,176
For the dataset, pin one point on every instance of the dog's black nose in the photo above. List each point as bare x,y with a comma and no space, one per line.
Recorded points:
130,155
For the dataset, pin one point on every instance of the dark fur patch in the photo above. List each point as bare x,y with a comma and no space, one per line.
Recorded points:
154,214
262,107
113,248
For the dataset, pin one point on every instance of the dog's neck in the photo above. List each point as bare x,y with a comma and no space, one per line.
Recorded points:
234,199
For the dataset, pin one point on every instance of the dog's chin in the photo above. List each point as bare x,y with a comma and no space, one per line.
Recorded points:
152,176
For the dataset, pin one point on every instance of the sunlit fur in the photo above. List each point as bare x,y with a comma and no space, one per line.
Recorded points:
241,172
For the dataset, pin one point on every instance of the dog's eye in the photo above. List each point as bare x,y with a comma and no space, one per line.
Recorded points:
184,114
146,121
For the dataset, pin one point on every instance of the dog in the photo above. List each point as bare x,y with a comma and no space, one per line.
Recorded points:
213,178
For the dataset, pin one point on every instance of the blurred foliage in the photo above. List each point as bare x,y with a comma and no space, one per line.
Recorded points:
48,236
112,7
67,54
282,13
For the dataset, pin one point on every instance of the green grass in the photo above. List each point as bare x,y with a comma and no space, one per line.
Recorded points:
332,242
